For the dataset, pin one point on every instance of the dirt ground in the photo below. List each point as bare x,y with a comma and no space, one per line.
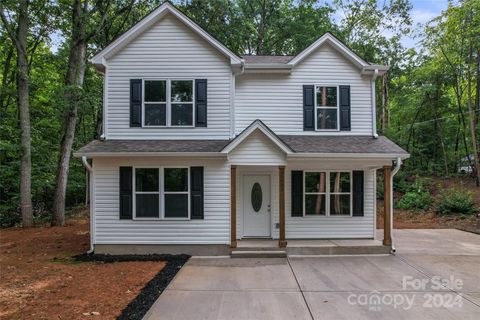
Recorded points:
405,219
38,280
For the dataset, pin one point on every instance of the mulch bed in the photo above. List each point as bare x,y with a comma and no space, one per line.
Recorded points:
139,306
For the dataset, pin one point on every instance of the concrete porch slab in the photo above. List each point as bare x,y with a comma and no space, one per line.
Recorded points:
316,247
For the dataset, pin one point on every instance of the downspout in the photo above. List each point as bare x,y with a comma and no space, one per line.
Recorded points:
394,172
374,99
90,170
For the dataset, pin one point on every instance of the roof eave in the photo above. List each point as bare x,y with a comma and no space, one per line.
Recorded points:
150,154
332,155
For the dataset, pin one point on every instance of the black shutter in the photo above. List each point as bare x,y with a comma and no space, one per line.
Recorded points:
135,102
358,193
126,193
345,108
297,193
200,102
308,108
196,193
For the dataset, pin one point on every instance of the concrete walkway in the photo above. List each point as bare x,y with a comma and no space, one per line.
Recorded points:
404,286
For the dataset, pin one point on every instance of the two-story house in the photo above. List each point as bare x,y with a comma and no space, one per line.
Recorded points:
202,147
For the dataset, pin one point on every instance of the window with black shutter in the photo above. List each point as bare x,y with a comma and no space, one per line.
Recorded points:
168,103
161,193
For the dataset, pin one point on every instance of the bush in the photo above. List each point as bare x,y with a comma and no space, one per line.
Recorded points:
417,197
416,200
456,200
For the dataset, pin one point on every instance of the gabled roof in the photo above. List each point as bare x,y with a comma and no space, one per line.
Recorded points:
334,42
340,47
151,19
257,125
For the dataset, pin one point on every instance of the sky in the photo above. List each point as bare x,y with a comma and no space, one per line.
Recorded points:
421,13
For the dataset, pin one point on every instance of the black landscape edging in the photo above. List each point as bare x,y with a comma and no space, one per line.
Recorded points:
139,306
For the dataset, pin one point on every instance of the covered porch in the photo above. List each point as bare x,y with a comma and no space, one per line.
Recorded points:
310,192
275,242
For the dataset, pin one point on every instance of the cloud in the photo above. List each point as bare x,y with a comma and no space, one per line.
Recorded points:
422,16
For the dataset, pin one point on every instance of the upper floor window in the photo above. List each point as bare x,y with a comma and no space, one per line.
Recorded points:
326,108
168,103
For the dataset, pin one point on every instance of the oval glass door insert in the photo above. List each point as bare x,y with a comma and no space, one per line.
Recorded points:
256,197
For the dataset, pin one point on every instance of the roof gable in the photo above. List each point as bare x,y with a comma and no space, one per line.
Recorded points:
147,22
337,45
255,126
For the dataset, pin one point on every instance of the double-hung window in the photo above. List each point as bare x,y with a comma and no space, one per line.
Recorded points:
162,193
176,192
328,193
168,103
326,108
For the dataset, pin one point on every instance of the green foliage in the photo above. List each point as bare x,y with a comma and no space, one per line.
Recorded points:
456,200
426,102
417,199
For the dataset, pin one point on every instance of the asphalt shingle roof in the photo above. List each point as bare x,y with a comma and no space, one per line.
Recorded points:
266,59
299,144
140,146
342,144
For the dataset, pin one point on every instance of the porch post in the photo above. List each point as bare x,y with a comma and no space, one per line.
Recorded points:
233,206
281,206
387,196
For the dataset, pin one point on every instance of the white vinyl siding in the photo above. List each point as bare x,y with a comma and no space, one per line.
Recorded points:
213,229
168,50
257,149
277,99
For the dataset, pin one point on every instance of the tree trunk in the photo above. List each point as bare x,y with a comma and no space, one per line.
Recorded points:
24,107
473,133
19,39
73,99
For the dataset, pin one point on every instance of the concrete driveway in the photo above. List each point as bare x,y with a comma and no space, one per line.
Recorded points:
435,275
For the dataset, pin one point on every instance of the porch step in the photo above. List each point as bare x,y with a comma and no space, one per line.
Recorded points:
259,253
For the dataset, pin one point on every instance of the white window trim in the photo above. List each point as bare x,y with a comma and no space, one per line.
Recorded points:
327,107
168,103
161,193
327,194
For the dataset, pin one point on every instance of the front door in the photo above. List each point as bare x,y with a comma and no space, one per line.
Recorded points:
256,206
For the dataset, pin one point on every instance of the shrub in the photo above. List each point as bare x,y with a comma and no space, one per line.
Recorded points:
417,197
455,200
416,200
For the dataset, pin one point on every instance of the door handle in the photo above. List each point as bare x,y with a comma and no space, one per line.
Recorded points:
269,208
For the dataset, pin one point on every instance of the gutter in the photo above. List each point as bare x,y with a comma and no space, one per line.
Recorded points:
374,98
398,164
90,170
